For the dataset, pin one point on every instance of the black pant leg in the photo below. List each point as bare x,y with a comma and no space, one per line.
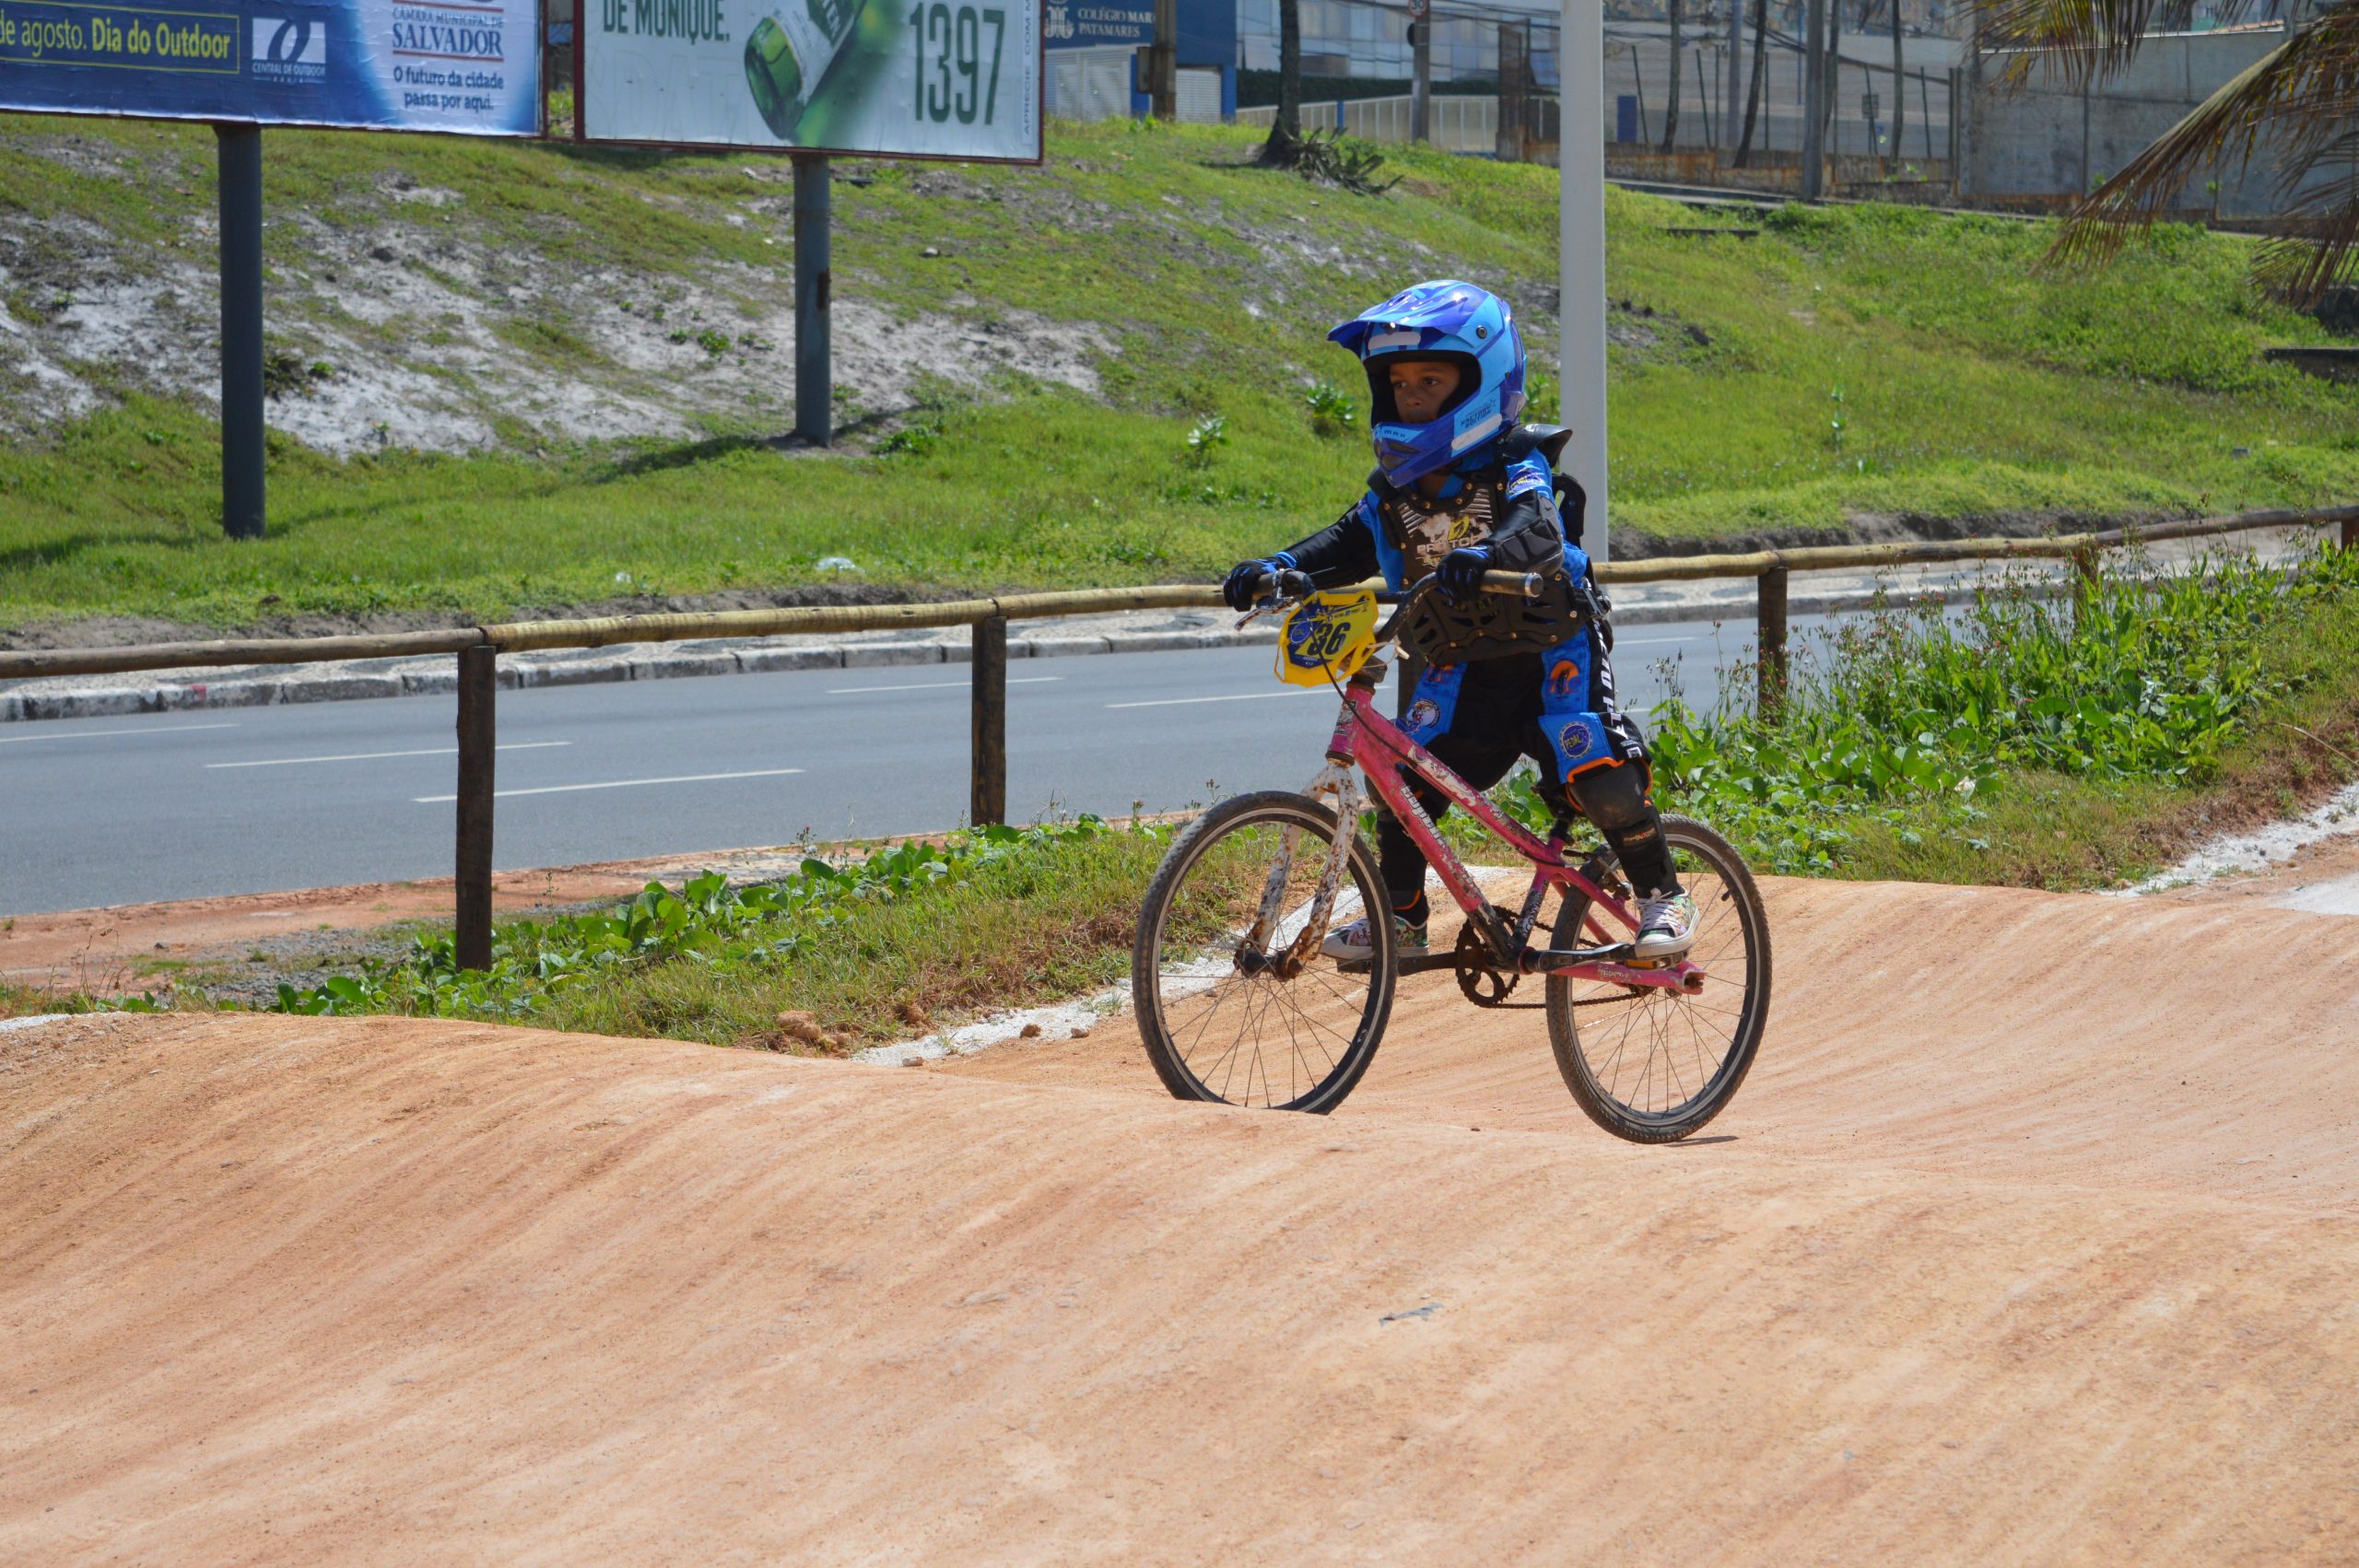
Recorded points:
1485,738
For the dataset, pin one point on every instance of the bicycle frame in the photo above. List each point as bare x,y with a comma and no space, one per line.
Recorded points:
1367,743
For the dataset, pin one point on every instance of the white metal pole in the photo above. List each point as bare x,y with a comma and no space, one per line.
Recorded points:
1581,235
1816,98
1421,81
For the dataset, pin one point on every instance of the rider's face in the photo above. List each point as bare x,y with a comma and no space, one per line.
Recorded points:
1420,388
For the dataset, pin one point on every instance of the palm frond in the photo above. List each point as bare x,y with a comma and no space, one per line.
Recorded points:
2296,106
2083,40
2314,247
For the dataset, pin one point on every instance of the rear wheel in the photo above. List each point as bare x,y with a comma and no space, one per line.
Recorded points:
1226,1018
1653,1065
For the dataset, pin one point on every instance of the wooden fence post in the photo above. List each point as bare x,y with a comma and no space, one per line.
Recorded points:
478,740
987,789
2351,532
1770,645
2085,582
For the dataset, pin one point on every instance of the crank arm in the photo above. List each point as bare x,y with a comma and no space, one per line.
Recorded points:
1614,967
1547,960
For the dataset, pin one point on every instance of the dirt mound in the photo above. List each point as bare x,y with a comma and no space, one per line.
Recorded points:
2112,1042
2031,1236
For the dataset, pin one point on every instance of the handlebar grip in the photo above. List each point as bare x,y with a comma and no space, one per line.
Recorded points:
1291,582
1512,585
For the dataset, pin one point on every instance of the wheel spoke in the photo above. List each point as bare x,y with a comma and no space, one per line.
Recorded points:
1219,1033
1664,1061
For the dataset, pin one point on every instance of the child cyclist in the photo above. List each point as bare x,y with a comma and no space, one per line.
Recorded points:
1461,488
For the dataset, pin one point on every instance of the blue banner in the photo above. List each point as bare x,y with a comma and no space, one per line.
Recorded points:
470,66
1207,28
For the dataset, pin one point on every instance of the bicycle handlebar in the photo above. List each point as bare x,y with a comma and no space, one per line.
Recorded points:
1506,585
1499,585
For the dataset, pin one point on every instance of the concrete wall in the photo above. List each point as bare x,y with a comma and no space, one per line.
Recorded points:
2048,141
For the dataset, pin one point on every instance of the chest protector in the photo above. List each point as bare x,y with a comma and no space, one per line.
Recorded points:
1424,529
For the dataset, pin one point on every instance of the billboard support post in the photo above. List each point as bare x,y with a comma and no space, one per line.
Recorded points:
1582,256
238,151
814,366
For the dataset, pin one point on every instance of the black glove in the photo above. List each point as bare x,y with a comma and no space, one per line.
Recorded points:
1459,575
1244,583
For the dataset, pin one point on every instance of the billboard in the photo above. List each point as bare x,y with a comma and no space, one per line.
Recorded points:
471,66
911,78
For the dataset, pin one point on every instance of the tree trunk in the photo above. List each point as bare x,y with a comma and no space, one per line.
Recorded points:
1671,115
1285,129
1760,71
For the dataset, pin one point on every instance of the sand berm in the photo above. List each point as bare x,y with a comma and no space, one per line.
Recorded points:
2031,1238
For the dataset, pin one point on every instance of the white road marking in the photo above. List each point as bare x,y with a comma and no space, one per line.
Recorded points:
1238,696
937,685
81,734
617,784
375,756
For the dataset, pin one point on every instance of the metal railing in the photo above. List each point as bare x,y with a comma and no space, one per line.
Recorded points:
477,649
1460,122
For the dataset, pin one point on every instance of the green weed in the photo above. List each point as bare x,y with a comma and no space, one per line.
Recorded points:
994,916
1910,727
1207,436
1332,411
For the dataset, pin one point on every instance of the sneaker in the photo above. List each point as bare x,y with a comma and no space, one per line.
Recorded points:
1351,945
1666,926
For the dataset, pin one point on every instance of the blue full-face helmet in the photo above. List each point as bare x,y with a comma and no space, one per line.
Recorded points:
1472,328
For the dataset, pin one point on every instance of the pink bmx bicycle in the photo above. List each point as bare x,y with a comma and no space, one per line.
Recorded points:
1238,1004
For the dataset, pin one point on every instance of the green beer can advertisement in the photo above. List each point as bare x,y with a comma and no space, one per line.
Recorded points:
923,78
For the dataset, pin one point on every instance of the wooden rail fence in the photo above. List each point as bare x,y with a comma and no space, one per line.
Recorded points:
477,649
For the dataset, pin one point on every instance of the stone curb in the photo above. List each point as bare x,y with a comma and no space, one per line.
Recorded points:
720,658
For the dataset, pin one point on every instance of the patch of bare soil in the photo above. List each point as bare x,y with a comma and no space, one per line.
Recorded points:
2033,1236
2323,877
387,336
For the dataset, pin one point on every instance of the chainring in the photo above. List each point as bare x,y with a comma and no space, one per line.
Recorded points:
1478,979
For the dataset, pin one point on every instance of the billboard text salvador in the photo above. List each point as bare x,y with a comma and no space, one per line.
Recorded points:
941,78
465,65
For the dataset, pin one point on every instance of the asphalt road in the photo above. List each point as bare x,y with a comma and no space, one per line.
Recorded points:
107,811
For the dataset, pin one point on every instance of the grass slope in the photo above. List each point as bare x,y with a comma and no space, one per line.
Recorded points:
1845,362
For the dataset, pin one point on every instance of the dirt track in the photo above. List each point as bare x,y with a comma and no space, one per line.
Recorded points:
2032,1237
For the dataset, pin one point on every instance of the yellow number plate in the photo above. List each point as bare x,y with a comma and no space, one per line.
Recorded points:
1326,638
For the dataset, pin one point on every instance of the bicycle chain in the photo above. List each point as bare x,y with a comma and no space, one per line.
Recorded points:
1486,986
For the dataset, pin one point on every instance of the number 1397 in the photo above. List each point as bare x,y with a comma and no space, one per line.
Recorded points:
952,81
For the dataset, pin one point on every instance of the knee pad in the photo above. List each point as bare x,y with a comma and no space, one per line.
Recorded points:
1615,798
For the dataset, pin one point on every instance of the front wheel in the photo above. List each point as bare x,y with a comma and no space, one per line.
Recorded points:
1224,1017
1652,1065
